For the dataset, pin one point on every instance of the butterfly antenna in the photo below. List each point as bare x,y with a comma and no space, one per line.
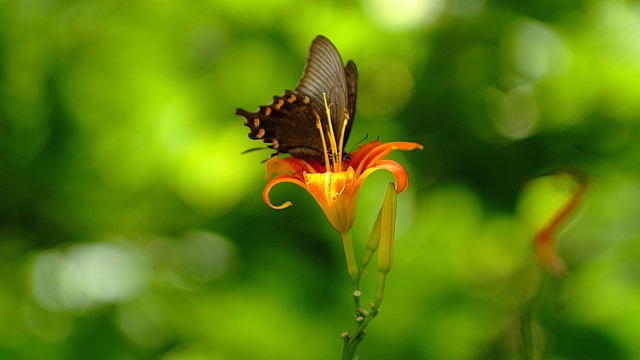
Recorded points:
267,159
344,128
254,149
360,142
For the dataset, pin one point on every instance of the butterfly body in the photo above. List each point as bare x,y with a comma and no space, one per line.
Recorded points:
289,123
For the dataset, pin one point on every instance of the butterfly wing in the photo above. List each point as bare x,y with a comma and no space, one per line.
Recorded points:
325,74
352,93
289,122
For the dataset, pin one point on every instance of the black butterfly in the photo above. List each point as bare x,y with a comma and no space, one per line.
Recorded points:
289,122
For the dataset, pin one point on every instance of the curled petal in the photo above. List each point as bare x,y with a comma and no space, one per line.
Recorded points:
280,179
398,171
374,151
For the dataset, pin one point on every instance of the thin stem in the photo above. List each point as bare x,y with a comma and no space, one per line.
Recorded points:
345,348
382,279
351,343
352,267
525,329
526,319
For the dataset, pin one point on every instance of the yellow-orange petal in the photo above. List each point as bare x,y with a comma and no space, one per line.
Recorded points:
328,186
280,179
279,166
374,151
398,171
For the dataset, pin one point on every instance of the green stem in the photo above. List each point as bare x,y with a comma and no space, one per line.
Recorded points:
351,343
525,329
526,321
352,267
362,318
382,279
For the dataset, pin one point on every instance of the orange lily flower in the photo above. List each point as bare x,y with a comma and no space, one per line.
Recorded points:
335,186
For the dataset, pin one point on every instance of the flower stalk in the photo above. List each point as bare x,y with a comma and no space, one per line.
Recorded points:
352,266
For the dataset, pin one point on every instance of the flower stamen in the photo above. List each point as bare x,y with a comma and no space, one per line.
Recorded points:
340,147
336,152
324,142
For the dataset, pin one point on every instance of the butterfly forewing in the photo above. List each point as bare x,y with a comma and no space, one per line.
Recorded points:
289,122
324,74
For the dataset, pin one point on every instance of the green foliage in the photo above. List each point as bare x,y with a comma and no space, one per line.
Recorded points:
132,227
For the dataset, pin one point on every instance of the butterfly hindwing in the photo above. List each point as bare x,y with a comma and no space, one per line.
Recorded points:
352,93
288,124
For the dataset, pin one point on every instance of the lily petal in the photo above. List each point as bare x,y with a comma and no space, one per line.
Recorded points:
398,171
374,151
281,179
328,186
291,165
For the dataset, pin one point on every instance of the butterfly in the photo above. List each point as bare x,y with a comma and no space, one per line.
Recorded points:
289,123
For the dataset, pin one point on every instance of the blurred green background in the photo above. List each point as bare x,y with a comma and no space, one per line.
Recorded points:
132,227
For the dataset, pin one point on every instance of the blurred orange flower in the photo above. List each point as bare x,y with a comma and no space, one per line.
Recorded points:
545,239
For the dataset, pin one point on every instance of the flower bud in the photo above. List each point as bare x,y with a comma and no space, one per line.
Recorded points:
387,229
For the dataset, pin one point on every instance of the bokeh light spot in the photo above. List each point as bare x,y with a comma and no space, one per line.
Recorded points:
215,174
387,88
537,51
514,113
403,15
197,258
86,275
